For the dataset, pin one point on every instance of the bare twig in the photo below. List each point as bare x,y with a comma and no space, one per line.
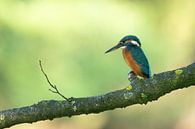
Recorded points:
54,88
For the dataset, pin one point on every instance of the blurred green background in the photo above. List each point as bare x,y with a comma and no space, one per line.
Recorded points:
70,37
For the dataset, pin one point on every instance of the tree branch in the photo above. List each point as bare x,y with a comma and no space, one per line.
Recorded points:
139,92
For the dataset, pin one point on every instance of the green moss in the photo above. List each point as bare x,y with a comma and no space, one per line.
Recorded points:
143,95
129,87
174,81
178,71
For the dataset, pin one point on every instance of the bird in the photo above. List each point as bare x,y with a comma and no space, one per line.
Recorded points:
134,56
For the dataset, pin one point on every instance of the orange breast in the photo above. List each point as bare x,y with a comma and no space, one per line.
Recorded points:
131,62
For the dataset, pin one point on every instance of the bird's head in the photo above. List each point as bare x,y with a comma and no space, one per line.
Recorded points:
127,40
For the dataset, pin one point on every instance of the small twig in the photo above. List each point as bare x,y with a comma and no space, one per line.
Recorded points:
54,87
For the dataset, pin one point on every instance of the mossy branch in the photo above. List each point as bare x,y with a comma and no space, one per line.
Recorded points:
139,92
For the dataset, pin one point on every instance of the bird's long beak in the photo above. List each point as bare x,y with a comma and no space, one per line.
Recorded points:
114,48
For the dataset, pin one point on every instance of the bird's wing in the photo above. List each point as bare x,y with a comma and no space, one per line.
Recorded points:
141,60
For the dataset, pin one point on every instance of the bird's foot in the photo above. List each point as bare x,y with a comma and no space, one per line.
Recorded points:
131,76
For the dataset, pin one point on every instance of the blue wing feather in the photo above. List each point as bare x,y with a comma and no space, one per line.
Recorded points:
140,58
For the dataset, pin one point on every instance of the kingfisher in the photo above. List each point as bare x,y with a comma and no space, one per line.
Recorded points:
134,56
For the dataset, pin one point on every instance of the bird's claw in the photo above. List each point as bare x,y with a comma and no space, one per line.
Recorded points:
131,76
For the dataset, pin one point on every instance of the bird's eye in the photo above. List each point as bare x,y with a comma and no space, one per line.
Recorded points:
120,43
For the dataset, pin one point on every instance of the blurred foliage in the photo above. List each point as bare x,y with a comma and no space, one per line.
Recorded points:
70,37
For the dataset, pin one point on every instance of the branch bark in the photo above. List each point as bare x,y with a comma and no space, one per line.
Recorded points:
138,92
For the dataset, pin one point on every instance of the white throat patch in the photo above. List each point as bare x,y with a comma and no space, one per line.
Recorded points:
123,47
